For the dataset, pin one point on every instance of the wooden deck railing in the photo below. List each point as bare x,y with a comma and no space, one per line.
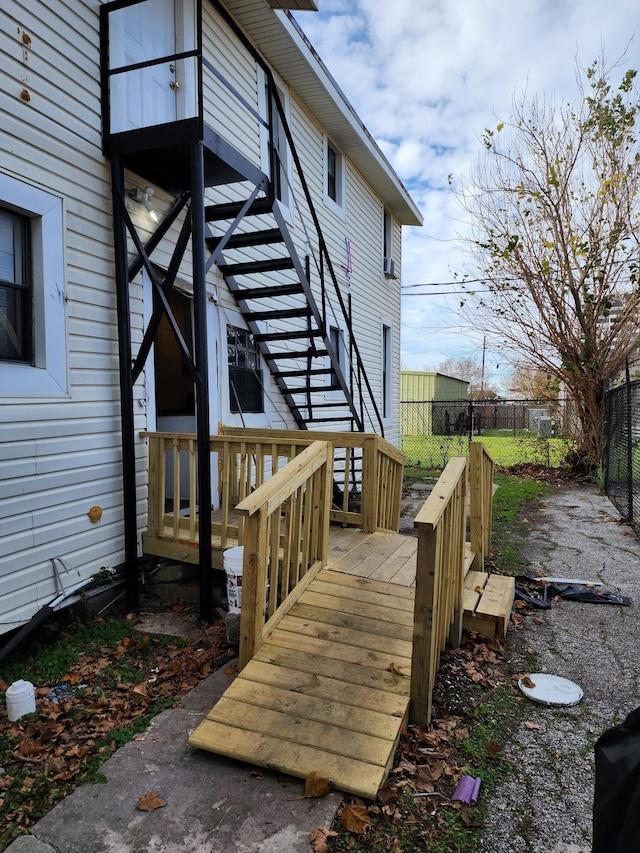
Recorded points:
242,466
286,540
441,526
481,486
363,462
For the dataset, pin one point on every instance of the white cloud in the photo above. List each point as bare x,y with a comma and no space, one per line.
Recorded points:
426,77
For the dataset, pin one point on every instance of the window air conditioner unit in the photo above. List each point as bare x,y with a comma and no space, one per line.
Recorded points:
389,267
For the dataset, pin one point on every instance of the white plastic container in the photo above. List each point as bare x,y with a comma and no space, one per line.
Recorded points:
232,563
21,699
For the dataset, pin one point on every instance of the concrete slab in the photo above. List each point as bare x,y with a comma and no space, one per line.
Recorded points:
213,804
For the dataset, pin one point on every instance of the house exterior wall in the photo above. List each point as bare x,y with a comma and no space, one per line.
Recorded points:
59,451
60,444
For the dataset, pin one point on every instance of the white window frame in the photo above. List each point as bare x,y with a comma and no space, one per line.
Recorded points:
339,204
342,353
228,317
386,370
48,373
387,243
286,202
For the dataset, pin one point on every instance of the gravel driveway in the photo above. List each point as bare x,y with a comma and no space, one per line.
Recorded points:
546,805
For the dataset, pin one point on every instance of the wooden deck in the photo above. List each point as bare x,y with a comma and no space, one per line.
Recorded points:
328,691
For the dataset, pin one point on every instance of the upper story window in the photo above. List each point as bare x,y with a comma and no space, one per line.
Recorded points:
386,371
276,162
15,288
245,374
338,344
33,346
334,177
388,261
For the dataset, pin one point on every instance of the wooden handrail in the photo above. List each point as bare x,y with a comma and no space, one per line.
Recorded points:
380,464
441,527
481,487
286,541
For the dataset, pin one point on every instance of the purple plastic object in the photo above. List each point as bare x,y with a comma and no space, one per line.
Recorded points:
467,789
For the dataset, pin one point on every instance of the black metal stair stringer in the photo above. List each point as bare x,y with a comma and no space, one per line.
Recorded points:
315,331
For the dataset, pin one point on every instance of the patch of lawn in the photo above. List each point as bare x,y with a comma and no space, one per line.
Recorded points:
97,685
513,503
506,449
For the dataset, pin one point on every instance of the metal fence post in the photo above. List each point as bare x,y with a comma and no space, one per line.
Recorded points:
629,446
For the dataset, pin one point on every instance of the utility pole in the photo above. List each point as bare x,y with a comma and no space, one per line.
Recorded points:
484,351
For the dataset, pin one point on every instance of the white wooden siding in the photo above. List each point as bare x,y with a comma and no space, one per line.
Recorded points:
61,454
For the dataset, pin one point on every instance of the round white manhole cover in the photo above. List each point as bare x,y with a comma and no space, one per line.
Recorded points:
550,689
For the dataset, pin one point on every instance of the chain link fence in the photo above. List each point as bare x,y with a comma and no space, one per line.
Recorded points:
514,432
622,451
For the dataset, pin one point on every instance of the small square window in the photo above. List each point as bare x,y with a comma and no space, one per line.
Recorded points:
245,374
15,288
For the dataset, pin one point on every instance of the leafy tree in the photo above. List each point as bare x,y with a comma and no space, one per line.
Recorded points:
554,201
534,384
470,370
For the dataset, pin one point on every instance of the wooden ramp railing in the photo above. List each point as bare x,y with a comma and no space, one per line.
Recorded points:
286,541
481,485
244,460
363,463
333,664
441,525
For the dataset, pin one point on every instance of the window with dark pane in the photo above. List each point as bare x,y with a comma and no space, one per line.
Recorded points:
245,374
15,288
332,173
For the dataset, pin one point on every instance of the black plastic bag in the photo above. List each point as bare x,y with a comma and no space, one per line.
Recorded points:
616,802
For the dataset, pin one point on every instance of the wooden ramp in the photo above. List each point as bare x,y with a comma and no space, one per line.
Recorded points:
328,691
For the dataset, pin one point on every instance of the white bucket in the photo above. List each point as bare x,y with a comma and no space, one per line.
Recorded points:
232,562
21,699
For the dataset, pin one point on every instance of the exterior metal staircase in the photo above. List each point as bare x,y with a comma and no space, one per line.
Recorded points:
274,295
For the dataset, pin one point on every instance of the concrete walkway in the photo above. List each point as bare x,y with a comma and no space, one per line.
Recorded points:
213,805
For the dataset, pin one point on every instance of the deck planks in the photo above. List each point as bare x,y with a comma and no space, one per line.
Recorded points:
328,691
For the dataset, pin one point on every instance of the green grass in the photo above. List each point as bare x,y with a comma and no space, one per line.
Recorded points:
506,449
513,502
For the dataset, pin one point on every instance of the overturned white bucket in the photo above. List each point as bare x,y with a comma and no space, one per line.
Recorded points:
232,563
21,699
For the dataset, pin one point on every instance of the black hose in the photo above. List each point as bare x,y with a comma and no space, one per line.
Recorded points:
41,616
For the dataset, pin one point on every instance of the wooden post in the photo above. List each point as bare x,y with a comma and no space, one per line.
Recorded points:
460,527
477,509
370,486
325,507
155,510
488,502
423,624
254,584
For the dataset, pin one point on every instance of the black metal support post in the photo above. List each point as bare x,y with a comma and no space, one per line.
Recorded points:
126,387
202,390
629,445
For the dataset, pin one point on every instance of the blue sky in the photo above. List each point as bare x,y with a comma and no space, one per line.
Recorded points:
427,77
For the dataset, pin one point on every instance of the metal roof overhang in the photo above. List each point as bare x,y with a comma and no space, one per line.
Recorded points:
289,52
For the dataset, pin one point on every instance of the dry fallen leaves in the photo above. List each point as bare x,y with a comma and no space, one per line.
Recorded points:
316,785
355,818
493,748
318,839
150,801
